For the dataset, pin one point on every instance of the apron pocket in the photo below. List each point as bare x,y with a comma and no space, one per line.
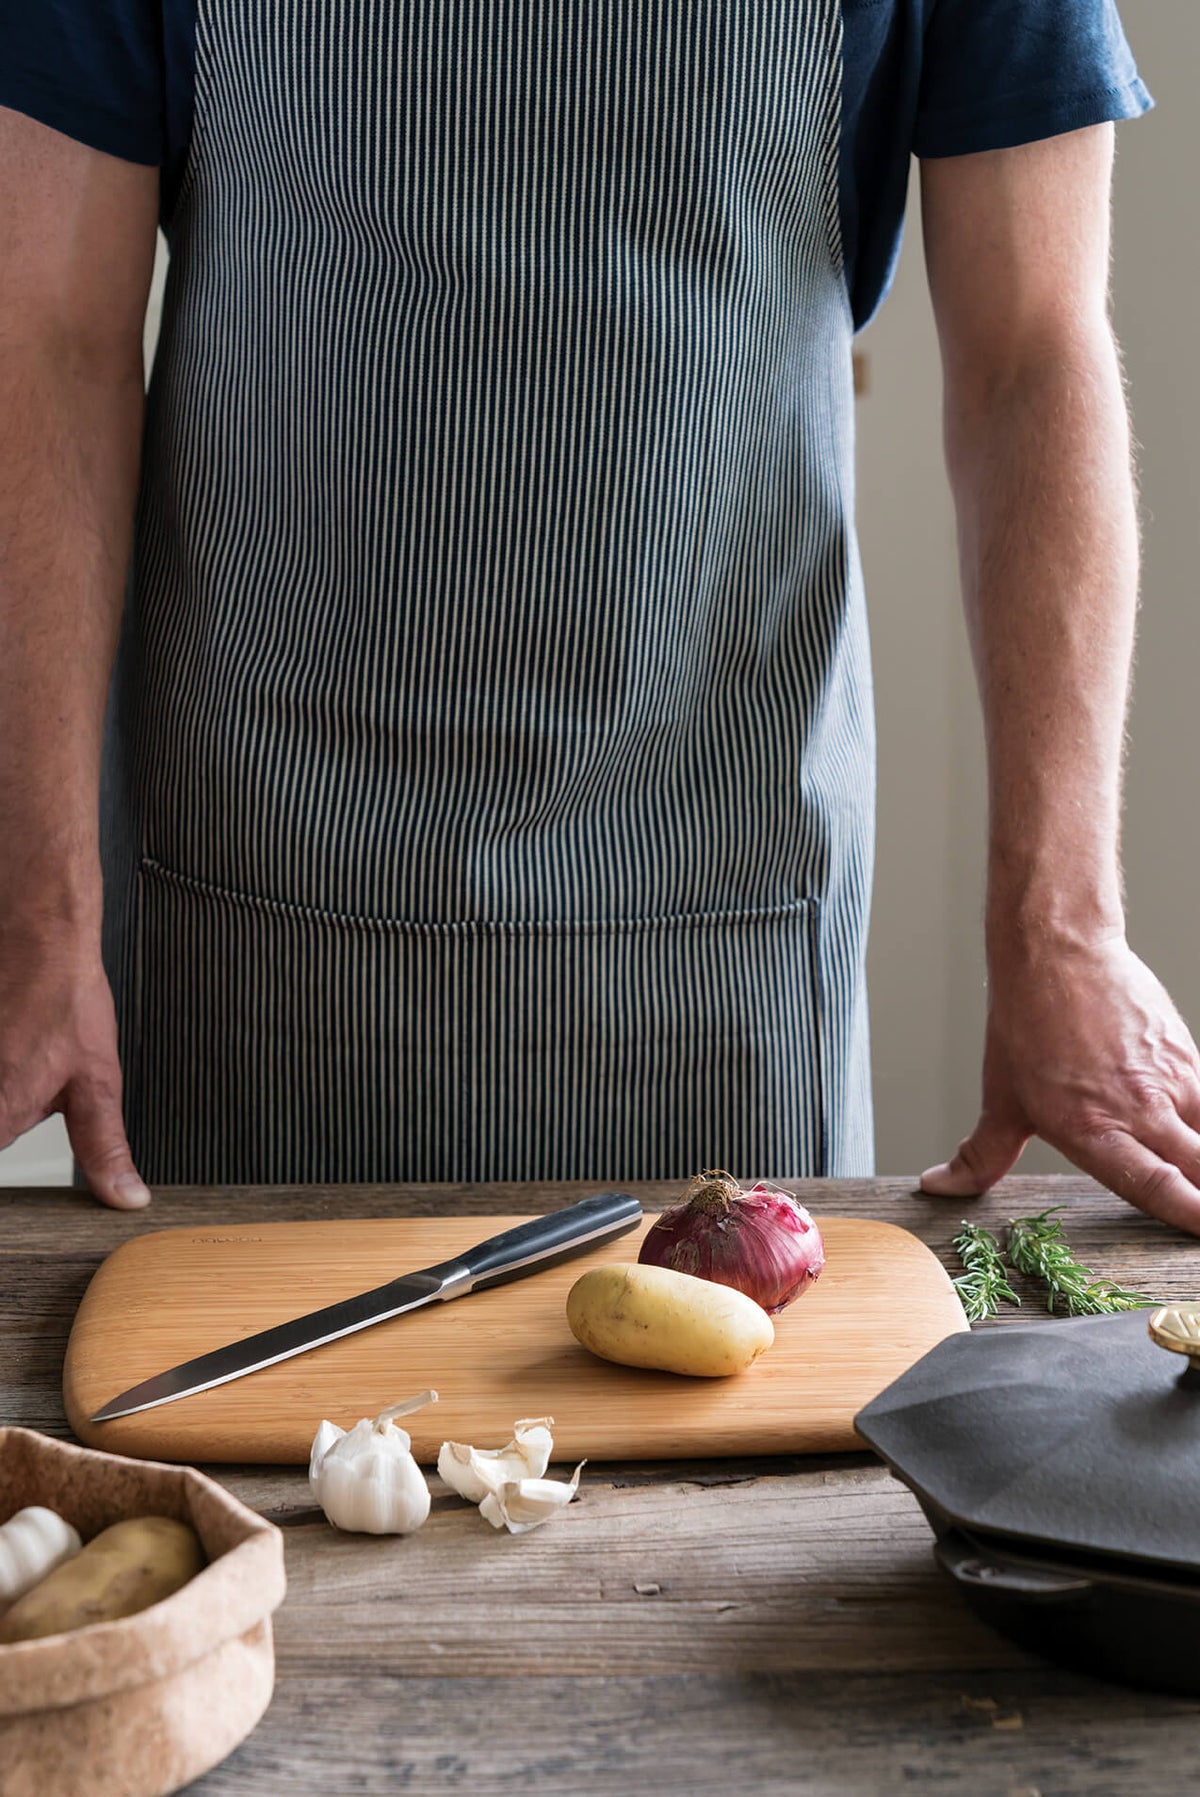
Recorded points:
282,1045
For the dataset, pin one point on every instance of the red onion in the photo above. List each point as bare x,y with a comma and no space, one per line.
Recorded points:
762,1242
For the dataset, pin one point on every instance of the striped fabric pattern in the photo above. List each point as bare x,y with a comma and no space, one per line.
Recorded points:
492,734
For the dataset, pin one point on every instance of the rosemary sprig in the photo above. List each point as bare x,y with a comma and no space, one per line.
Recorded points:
1038,1248
985,1281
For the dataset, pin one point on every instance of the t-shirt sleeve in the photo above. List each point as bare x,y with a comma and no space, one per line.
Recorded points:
92,69
997,73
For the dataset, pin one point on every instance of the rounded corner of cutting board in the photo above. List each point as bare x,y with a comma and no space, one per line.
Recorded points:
78,1407
939,1294
120,1271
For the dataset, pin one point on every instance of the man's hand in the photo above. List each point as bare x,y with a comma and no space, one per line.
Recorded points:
58,1052
1085,1049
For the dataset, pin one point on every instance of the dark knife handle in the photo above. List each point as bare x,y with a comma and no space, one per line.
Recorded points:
547,1240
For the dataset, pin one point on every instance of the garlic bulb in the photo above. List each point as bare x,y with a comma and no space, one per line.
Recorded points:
365,1479
32,1544
474,1472
521,1504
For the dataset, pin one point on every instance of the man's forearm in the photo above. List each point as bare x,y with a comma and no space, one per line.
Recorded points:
1083,1046
1040,463
68,476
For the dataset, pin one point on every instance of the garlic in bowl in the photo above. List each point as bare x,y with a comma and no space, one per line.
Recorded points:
32,1544
140,1706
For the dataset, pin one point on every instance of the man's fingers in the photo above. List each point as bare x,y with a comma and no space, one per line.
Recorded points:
1139,1175
989,1152
97,1132
1172,1140
1188,1104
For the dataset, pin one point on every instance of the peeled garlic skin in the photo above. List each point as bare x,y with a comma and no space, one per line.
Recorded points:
475,1472
519,1505
455,1465
33,1543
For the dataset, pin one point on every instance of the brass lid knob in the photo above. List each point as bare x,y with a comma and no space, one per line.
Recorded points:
1177,1327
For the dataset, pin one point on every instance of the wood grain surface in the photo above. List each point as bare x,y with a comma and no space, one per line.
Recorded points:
765,1625
492,1357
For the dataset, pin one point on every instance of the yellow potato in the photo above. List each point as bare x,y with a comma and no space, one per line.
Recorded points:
650,1316
122,1570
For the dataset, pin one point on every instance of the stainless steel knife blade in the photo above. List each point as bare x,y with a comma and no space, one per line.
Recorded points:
516,1252
280,1343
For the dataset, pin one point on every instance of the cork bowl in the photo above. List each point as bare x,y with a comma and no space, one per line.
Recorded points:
140,1707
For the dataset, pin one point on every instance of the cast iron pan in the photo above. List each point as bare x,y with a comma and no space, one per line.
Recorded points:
1059,1467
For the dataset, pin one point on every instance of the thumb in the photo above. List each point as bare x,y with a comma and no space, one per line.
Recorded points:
92,1110
991,1150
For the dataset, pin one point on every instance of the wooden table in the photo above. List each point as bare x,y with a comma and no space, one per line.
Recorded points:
764,1626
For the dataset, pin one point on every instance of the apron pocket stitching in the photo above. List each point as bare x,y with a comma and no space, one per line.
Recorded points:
348,920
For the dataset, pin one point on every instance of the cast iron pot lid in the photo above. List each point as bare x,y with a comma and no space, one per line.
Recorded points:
1080,1436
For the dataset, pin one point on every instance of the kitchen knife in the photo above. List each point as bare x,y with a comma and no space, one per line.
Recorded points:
543,1242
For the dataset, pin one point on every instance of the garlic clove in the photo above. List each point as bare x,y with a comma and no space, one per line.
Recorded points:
477,1472
522,1504
323,1440
32,1544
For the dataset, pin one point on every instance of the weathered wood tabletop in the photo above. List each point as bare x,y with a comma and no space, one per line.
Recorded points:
685,1628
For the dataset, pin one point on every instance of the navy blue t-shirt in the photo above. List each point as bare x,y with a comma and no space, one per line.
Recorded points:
923,77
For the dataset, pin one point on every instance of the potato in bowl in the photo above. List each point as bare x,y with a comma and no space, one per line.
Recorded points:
138,1705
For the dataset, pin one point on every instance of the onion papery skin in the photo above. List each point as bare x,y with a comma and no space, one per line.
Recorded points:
762,1242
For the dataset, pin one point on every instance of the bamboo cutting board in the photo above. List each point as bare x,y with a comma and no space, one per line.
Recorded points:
494,1356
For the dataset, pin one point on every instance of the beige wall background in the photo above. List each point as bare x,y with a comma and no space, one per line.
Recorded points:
925,963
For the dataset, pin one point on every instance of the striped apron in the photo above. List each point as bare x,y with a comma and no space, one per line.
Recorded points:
489,774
